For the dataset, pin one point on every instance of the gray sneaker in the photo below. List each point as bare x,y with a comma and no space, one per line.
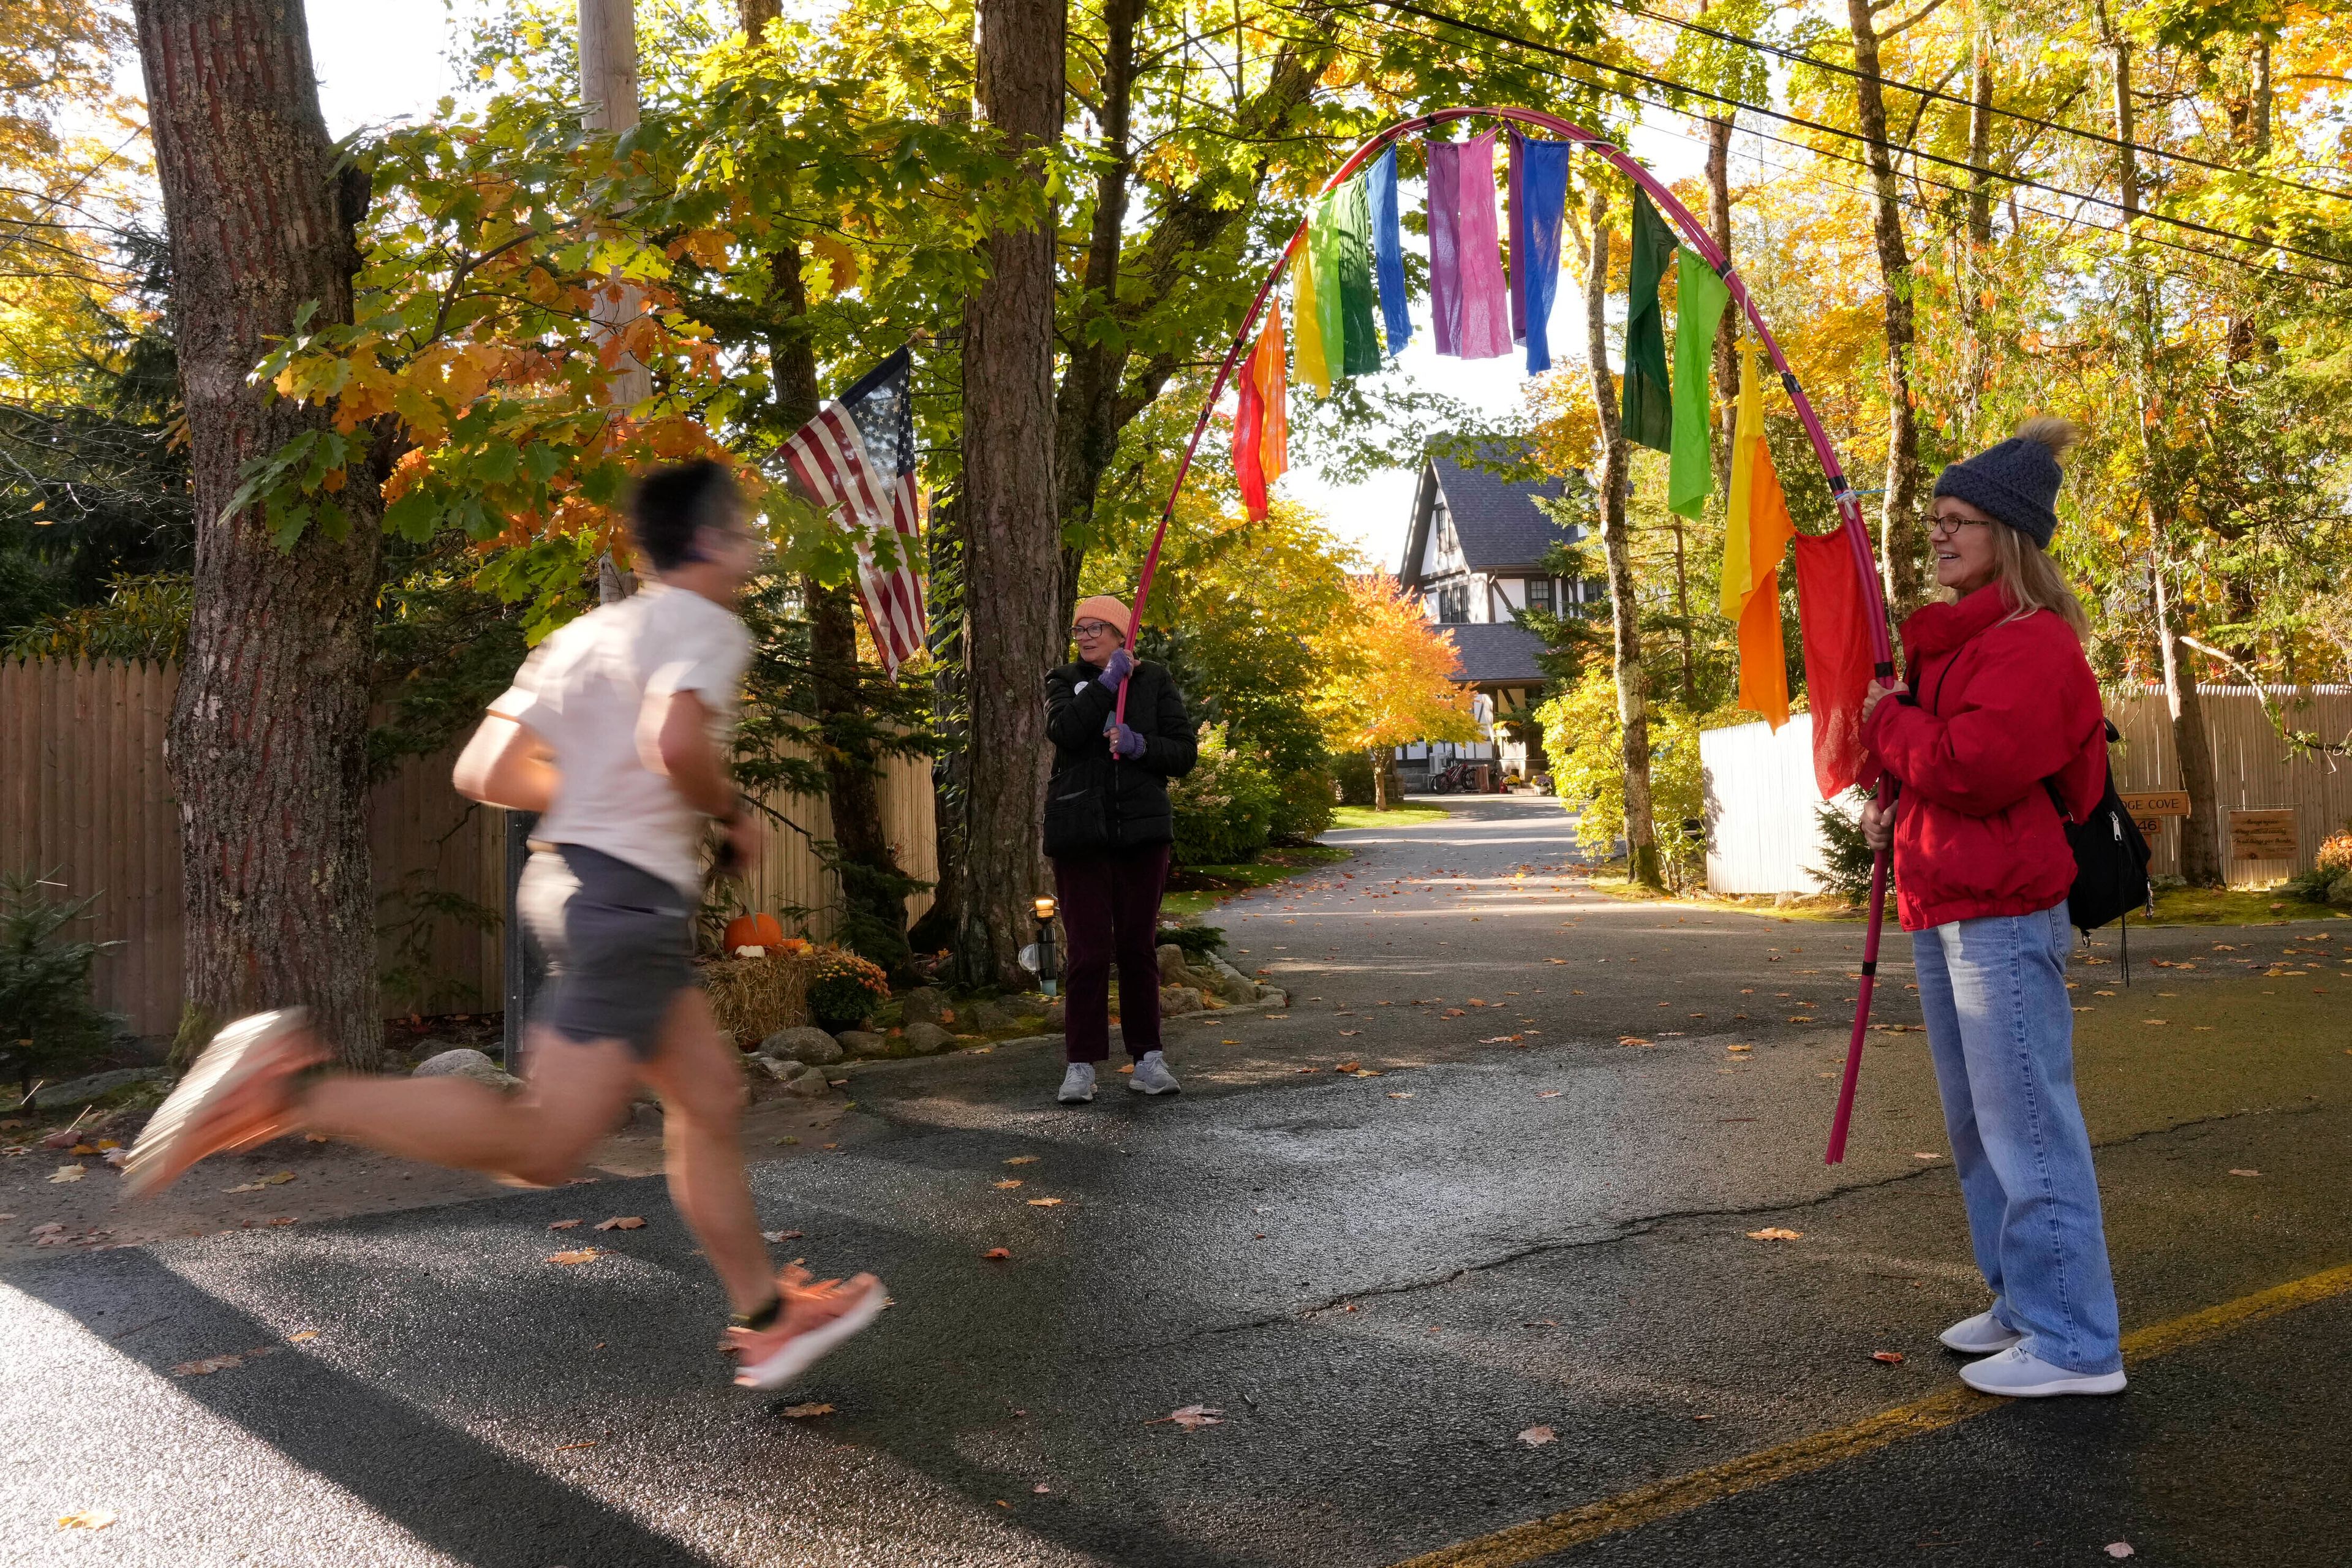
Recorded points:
1153,1077
1078,1084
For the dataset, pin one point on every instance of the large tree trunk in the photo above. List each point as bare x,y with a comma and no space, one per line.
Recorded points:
1012,566
268,738
2201,832
1898,526
1624,609
608,101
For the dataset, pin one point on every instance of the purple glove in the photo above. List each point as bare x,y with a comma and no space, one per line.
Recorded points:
1116,669
1125,741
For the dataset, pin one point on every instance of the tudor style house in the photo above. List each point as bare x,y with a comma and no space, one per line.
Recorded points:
1473,557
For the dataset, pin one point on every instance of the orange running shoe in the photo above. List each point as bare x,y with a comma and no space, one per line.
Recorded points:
239,1094
815,1318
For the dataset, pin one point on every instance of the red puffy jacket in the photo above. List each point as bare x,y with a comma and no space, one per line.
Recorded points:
2001,705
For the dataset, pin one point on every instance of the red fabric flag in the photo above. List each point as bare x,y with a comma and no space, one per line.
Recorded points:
1835,621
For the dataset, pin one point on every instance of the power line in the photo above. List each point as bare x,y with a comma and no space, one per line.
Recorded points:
1798,56
1667,84
2224,258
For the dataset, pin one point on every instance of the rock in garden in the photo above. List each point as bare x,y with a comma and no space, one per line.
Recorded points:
928,1039
465,1063
925,1004
1177,1000
984,1017
865,1043
1172,969
806,1042
1056,1012
82,1091
808,1083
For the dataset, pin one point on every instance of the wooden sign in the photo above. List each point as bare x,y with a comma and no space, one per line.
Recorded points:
2263,836
2148,803
2150,827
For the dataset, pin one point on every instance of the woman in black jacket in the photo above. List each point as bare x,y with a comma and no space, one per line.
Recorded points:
1108,828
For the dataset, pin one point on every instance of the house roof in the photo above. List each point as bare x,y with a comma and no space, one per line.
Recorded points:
1495,653
1495,520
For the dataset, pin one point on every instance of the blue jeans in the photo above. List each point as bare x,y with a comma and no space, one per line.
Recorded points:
2002,1028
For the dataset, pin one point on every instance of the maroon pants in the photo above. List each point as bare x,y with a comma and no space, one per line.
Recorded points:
1110,913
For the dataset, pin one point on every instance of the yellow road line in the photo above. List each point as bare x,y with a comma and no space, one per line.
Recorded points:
1680,1494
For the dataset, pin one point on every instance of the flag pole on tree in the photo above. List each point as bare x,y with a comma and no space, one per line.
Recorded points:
1851,631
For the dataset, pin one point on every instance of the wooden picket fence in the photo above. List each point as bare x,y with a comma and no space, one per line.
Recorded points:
1761,801
85,801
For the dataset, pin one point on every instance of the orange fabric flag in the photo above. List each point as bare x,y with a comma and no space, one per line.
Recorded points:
1261,419
1757,531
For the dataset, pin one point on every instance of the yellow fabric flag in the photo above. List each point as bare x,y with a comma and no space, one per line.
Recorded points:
1307,323
1757,530
1269,369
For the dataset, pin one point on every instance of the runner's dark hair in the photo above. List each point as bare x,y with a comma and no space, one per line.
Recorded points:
668,504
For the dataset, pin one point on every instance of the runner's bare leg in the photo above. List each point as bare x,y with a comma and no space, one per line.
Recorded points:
699,1074
573,1095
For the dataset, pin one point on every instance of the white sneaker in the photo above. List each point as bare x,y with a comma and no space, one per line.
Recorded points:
2020,1377
1153,1077
1078,1084
1981,1335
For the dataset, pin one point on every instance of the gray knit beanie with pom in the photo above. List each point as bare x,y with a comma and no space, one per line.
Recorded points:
2016,481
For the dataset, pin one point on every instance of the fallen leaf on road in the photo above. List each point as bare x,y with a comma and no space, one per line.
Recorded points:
1045,1203
573,1259
1452,1013
278,1179
1548,1094
1319,1070
585,1443
1536,1436
622,1222
1775,1233
1923,1155
1346,1032
2245,1173
1007,1185
52,1228
1042,1489
1192,1417
567,1224
68,1173
1400,1094
1631,1040
1540,1324
1555,961
1025,1159
2151,1020
802,1412
1738,1048
2119,1549
314,1138
997,1254
87,1519
1346,1067
300,1336
213,1364
1892,1358
780,1236
1365,1072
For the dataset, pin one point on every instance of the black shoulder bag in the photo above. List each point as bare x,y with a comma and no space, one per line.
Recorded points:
2111,858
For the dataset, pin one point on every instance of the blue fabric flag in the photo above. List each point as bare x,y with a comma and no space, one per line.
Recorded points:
1388,250
1542,171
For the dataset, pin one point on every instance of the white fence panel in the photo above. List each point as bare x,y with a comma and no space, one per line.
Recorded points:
1761,833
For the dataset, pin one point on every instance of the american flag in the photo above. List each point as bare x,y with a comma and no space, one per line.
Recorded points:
856,459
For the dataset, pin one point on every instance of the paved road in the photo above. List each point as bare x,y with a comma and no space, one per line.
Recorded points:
1378,1282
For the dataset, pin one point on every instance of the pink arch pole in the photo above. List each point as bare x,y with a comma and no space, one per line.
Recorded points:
1850,521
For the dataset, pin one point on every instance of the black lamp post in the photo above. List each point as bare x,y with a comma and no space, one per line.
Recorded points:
1048,970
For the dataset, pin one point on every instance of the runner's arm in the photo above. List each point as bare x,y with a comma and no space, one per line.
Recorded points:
506,764
681,751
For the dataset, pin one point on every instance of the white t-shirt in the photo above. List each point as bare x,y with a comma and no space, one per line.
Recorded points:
595,691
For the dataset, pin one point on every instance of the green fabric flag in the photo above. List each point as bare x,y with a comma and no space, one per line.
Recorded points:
1699,297
1354,221
1324,238
1649,410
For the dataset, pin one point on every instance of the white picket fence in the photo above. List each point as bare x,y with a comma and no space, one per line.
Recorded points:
1763,836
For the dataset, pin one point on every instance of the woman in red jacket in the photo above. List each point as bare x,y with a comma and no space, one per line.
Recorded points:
1999,731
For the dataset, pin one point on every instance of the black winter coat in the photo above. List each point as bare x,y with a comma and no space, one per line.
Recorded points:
1131,797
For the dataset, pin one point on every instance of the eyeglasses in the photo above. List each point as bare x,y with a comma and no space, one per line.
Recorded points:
1092,630
1952,523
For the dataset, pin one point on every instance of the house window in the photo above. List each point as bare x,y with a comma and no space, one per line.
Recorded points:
1539,595
1454,604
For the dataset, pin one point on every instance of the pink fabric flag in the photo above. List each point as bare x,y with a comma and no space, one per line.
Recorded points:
1444,269
1485,327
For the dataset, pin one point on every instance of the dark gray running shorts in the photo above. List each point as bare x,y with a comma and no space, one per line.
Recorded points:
619,944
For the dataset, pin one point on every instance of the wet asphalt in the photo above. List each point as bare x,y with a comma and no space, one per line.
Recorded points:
1532,1212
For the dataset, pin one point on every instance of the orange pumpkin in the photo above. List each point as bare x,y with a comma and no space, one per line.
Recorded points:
754,931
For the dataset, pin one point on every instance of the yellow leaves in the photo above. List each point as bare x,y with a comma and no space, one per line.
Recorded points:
622,1222
575,1258
1045,1203
1387,673
86,1518
277,1179
804,1412
1776,1233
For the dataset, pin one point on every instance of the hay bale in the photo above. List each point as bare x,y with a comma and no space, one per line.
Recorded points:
753,997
